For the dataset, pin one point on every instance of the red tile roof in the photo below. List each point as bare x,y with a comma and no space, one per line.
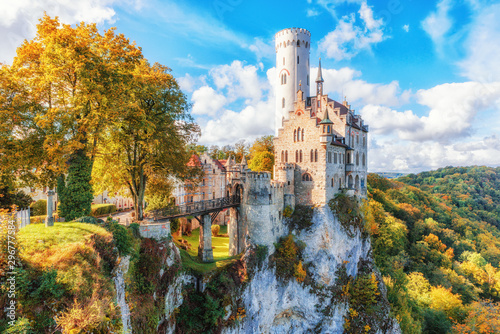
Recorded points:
220,164
194,161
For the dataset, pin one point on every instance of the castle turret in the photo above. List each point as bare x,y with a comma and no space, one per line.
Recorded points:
292,69
326,129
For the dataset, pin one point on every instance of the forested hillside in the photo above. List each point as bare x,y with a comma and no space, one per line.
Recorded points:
436,241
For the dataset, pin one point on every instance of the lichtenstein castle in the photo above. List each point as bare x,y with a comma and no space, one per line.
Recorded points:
320,150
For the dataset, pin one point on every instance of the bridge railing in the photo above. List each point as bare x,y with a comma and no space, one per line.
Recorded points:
195,208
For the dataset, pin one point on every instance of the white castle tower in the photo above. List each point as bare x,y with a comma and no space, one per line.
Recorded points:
292,69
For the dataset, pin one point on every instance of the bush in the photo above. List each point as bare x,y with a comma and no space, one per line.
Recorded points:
37,219
287,212
348,212
121,236
39,208
215,230
102,209
135,228
301,218
288,259
175,224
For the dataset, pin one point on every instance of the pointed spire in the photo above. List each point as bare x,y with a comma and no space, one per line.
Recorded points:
244,161
230,162
326,119
320,75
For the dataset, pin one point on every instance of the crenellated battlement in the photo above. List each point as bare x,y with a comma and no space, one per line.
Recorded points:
285,166
277,184
258,175
289,31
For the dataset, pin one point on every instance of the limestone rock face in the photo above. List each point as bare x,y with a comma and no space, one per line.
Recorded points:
273,306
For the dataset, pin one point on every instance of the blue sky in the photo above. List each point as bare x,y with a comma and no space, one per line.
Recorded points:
425,75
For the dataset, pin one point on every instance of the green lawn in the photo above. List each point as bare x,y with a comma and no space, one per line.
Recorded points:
220,246
36,238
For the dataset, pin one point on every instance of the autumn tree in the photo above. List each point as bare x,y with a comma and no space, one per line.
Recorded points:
59,96
149,139
262,154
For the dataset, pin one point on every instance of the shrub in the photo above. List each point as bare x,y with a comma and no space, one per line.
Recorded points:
301,218
175,224
102,209
215,230
348,212
39,208
288,259
121,236
287,212
37,219
135,228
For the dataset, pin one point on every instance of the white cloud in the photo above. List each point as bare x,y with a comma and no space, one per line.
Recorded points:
240,81
438,23
187,83
452,112
350,38
19,18
406,27
312,12
482,62
206,101
263,49
344,82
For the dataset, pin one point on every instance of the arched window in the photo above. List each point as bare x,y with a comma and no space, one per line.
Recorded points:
296,156
284,79
283,61
340,182
312,156
364,141
306,177
315,155
283,103
298,134
348,158
306,44
328,129
282,156
298,43
333,182
363,159
294,136
302,134
298,59
286,156
350,183
357,138
300,155
334,158
357,159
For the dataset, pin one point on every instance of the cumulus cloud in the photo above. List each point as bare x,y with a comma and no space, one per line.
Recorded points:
206,101
482,62
19,18
452,111
406,27
345,81
240,81
262,49
349,37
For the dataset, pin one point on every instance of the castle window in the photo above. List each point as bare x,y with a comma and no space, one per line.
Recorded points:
315,155
340,182
302,134
298,59
283,61
286,156
308,79
348,158
282,156
319,103
300,155
306,45
357,159
294,136
357,139
296,156
324,128
363,160
283,103
312,156
328,129
364,141
298,44
329,157
306,177
333,182
334,158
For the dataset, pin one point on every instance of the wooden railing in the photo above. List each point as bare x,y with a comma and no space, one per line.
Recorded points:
196,208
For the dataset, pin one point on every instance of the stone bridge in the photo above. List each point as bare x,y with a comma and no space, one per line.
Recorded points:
205,212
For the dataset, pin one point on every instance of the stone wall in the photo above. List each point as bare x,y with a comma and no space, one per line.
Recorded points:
155,231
